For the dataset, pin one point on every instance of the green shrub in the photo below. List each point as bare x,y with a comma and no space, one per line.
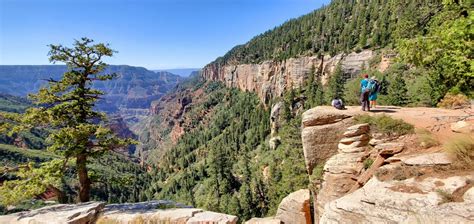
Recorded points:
445,196
368,163
461,148
426,138
385,124
352,92
318,171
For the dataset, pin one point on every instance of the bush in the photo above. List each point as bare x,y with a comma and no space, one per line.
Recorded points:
368,163
461,149
426,138
445,196
454,101
385,124
352,92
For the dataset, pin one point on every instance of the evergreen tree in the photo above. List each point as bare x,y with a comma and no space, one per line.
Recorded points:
336,87
313,90
384,84
397,92
66,108
446,51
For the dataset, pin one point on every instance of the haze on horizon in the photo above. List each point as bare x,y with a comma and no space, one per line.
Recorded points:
160,34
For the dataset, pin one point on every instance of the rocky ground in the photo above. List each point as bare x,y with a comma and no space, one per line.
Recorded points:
98,212
357,175
406,180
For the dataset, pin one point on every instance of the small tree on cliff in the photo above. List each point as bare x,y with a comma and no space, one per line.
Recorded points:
66,107
335,88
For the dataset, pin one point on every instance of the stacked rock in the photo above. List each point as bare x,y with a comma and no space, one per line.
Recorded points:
341,170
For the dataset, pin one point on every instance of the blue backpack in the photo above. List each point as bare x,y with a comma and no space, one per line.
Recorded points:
372,86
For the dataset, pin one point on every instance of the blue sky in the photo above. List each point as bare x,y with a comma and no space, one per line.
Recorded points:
154,34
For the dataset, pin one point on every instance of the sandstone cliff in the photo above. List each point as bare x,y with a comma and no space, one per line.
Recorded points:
271,78
403,183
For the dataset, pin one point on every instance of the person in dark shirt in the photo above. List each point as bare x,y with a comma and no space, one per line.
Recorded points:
364,92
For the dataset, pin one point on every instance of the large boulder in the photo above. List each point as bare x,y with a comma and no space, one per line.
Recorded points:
462,127
323,127
406,201
160,211
342,169
269,220
437,158
212,217
295,208
61,213
275,118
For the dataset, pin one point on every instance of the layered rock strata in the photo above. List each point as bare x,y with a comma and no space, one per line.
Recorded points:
406,201
341,170
322,128
271,78
57,214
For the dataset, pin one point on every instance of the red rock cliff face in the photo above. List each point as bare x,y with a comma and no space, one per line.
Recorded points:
271,78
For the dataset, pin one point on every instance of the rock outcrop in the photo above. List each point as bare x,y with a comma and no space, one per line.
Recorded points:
406,201
160,211
323,127
462,127
61,213
275,118
268,220
295,208
271,78
372,178
341,170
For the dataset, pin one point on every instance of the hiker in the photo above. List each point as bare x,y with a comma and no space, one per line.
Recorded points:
338,104
364,92
374,90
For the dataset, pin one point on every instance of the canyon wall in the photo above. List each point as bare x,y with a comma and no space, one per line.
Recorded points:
358,175
271,78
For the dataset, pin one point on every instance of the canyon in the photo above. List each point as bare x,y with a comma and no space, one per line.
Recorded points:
271,78
129,95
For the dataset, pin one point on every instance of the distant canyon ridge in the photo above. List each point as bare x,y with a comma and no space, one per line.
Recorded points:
129,95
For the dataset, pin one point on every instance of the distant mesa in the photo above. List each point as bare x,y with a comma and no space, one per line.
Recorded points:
183,72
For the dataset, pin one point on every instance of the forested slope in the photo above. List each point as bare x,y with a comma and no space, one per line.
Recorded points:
341,26
225,163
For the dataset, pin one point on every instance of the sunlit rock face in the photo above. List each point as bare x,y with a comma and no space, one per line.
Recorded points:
271,78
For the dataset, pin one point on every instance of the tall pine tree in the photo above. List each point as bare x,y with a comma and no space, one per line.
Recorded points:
66,108
335,87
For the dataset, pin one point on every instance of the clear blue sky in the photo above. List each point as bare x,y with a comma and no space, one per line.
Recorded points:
154,34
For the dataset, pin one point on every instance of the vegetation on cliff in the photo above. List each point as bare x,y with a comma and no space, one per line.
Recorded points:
225,164
116,179
76,132
340,26
433,41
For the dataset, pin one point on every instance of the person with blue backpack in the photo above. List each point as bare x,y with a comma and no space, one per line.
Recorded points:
364,92
373,87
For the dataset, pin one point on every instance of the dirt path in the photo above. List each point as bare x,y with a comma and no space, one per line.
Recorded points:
438,121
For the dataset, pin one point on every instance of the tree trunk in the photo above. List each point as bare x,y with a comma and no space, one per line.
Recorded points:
84,181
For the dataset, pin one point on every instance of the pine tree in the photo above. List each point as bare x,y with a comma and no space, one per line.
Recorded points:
314,90
66,108
384,84
397,92
336,85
